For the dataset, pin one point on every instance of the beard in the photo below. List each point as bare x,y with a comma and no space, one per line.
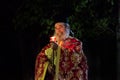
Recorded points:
60,36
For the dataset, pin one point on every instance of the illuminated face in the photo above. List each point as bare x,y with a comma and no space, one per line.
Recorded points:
59,29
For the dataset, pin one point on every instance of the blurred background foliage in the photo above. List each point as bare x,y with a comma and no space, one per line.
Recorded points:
87,18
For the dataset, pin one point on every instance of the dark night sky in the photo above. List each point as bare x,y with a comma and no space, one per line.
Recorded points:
8,9
9,59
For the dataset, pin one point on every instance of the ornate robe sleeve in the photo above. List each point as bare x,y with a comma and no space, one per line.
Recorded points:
41,64
83,60
79,59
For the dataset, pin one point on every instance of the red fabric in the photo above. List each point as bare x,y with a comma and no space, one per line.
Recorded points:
73,62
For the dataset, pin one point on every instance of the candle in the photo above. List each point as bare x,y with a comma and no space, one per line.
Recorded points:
52,39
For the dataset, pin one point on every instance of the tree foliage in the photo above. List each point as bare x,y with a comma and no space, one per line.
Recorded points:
87,18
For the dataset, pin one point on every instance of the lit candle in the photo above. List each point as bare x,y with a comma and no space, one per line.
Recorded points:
52,39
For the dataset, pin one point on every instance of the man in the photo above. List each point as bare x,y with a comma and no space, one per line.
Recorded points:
63,58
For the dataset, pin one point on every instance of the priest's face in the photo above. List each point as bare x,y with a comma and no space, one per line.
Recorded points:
60,31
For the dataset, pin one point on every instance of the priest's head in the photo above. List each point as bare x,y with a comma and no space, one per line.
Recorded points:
62,30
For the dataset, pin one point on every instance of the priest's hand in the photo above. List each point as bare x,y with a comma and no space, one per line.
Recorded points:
54,45
51,69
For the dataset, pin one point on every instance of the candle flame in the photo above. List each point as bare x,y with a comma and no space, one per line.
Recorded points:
52,39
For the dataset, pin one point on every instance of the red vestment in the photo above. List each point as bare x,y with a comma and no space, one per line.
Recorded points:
72,63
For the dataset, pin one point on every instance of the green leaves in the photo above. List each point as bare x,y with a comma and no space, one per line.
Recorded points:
87,18
90,21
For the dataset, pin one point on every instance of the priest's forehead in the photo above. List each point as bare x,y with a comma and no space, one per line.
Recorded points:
62,24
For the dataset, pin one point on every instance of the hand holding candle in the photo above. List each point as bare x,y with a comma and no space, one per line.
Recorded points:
53,43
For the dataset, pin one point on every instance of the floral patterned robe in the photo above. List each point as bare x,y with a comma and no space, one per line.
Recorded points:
72,63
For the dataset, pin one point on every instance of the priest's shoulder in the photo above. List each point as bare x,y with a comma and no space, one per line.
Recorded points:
74,39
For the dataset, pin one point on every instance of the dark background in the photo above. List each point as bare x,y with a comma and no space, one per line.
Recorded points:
19,49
